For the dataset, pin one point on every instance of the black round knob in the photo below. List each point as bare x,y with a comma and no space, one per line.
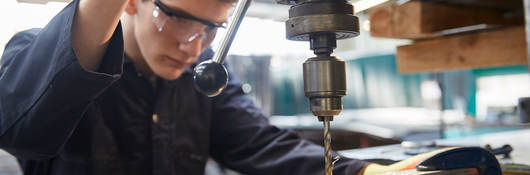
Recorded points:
210,78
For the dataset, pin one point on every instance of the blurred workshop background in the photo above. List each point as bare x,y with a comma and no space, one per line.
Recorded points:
385,103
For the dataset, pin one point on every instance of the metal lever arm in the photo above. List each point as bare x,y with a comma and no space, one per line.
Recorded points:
210,77
239,13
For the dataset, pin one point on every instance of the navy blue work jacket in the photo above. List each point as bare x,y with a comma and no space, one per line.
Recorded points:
57,118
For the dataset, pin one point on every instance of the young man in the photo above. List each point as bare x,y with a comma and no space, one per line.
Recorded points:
90,95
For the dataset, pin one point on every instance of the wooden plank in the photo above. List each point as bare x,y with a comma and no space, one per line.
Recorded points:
420,20
507,5
515,169
387,21
381,21
506,46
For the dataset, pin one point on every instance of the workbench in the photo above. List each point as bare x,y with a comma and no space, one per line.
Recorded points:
519,140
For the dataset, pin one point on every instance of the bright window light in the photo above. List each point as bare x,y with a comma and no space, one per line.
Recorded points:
257,36
366,4
16,17
500,91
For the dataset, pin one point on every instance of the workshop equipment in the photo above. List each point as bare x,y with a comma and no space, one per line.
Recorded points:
505,150
322,22
466,157
456,161
210,76
420,147
523,107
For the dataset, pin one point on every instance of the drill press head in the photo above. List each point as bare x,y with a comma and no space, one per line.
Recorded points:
322,22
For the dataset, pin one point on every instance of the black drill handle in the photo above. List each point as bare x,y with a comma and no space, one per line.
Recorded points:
504,150
465,157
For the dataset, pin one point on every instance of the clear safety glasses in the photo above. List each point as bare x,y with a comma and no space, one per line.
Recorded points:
185,28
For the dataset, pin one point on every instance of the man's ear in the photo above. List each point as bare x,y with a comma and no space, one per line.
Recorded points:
131,7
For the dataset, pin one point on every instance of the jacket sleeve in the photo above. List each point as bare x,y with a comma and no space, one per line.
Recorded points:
44,91
243,139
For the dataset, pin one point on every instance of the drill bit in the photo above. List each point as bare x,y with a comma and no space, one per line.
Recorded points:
327,146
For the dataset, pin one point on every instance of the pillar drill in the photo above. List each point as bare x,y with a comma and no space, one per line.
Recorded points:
322,23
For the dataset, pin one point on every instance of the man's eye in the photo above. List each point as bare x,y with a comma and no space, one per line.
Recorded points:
211,28
176,19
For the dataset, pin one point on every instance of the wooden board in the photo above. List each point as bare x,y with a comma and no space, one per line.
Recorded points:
420,20
515,169
496,4
506,46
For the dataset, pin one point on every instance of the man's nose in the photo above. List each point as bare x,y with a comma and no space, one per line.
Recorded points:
192,48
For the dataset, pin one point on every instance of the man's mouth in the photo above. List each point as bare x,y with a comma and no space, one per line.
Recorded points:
175,62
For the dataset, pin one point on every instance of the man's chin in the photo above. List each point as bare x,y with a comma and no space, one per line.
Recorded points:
170,75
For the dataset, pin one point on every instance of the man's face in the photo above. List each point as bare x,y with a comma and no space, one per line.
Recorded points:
164,47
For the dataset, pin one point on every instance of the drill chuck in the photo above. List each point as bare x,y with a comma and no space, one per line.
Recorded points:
325,84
